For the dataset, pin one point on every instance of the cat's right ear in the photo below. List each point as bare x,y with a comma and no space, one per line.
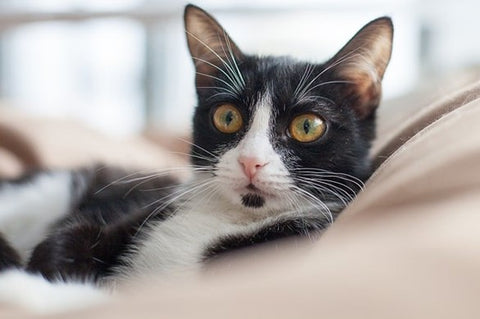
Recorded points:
211,48
362,63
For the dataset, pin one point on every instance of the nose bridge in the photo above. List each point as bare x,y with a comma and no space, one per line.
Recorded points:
255,148
254,145
256,141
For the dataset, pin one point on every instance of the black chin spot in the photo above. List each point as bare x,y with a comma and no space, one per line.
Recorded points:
253,200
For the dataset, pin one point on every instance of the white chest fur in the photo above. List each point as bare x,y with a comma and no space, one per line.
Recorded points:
178,244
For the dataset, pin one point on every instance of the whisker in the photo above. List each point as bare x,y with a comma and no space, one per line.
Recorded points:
229,46
305,75
219,69
182,188
161,172
316,202
199,156
225,91
179,194
322,172
218,79
149,178
210,188
345,189
237,79
211,50
342,59
324,83
199,147
323,188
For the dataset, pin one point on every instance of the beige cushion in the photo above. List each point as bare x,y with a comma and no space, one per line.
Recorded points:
407,247
54,143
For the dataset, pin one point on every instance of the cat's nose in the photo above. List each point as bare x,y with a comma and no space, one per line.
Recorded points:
251,165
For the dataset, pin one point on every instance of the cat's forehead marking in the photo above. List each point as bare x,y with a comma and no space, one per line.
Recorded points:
256,141
261,116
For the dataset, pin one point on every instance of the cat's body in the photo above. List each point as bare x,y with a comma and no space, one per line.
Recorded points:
279,148
109,225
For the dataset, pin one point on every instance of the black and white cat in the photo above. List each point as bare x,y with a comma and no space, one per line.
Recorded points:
279,148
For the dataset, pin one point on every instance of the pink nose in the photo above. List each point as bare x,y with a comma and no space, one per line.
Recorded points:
251,165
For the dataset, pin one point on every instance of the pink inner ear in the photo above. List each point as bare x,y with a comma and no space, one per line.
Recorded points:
363,61
366,92
209,44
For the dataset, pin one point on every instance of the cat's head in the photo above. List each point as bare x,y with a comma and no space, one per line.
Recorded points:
280,133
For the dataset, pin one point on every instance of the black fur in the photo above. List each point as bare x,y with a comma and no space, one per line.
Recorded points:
306,226
253,200
8,256
89,242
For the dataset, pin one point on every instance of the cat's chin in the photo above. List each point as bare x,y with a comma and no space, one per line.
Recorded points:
255,202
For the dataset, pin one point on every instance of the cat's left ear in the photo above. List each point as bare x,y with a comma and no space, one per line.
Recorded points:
362,62
211,48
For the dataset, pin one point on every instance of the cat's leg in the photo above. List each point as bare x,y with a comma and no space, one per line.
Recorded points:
36,294
81,250
9,258
268,231
28,206
89,242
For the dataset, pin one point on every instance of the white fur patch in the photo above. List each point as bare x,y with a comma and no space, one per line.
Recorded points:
36,294
256,143
177,245
28,209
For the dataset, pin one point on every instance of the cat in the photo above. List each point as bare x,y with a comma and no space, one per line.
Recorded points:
279,148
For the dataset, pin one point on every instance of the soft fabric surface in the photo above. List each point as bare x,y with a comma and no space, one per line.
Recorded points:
28,142
407,247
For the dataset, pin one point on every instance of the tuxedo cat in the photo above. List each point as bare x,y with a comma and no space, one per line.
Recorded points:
279,148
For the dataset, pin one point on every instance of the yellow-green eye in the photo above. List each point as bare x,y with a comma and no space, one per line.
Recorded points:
227,119
307,128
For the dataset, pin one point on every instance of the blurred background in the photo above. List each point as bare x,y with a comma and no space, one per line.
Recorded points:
122,67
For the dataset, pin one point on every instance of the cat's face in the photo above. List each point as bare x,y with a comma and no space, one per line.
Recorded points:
281,134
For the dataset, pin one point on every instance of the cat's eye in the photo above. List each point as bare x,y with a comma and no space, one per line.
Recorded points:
227,119
307,128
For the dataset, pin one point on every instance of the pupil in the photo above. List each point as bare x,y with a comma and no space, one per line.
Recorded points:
229,117
306,126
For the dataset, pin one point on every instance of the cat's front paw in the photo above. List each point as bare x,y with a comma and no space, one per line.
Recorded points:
78,251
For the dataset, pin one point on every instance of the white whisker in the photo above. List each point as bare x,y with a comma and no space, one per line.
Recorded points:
234,82
344,58
315,201
173,197
199,147
229,46
305,75
321,186
218,79
227,65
